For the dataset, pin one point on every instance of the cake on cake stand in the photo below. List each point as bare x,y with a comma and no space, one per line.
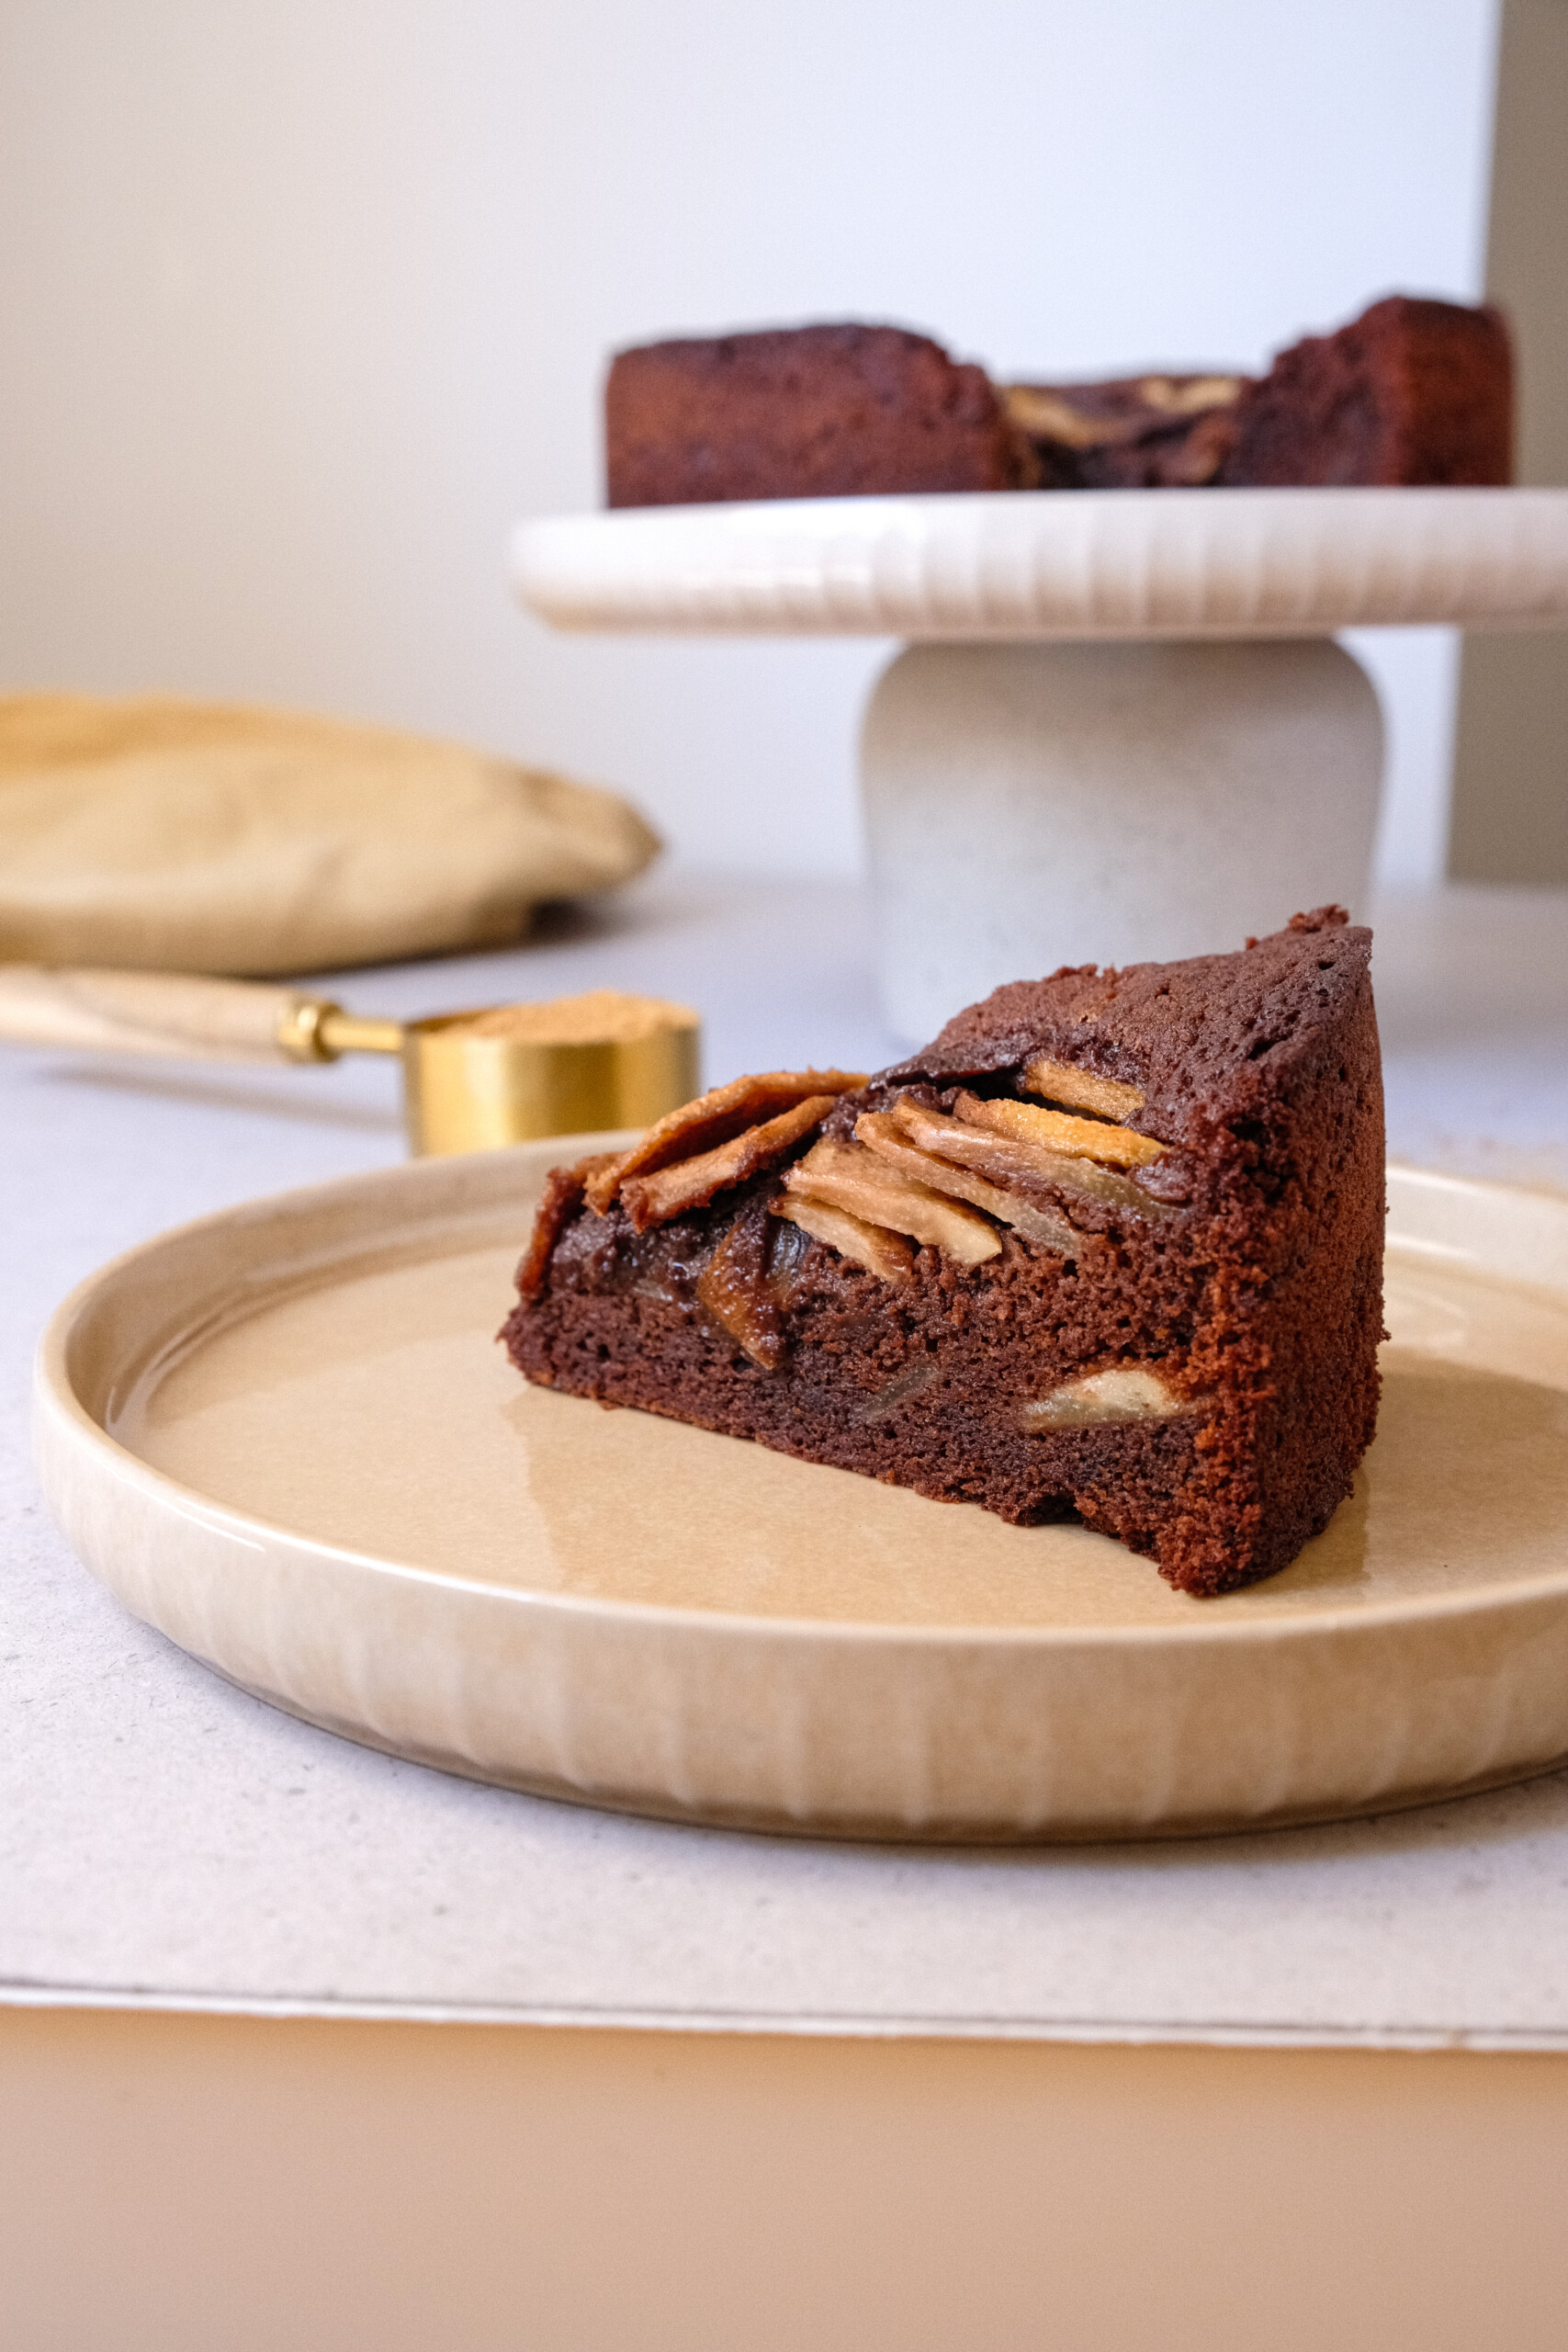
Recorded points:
1120,727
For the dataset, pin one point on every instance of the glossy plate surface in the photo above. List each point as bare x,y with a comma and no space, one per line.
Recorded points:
286,1436
1066,564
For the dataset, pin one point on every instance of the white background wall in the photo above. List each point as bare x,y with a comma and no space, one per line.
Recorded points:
302,304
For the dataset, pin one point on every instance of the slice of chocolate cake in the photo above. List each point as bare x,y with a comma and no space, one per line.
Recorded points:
817,412
1113,1244
1412,391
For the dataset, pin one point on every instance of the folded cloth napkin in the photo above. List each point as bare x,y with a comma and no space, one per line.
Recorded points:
198,837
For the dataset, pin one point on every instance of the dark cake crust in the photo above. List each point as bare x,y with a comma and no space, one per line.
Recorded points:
819,412
1250,1282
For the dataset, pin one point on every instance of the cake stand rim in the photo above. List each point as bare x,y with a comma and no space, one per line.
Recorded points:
807,587
60,1415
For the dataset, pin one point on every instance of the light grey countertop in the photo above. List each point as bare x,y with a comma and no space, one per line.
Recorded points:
166,1839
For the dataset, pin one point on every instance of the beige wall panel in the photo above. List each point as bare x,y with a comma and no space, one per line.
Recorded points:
1510,799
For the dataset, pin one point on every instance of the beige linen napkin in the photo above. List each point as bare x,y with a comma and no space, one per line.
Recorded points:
196,837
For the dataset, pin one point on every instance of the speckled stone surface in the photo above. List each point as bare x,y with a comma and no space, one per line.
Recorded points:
166,1839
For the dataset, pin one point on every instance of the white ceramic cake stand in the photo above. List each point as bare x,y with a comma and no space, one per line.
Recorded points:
1122,729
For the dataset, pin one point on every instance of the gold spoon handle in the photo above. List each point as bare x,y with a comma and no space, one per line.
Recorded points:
338,1032
180,1017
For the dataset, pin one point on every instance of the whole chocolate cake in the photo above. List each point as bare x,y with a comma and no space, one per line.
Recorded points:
1113,1244
1413,391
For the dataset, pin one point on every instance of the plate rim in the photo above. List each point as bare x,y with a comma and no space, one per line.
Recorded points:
56,1405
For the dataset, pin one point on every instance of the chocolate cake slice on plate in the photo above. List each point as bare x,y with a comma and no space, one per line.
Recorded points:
1113,1244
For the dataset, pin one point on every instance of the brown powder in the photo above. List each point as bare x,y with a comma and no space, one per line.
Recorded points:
602,1017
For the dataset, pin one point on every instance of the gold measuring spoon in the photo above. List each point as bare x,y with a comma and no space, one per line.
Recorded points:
471,1080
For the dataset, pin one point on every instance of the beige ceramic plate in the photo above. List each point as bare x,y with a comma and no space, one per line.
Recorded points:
286,1436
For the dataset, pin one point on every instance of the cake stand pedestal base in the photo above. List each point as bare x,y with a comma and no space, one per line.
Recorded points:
1033,805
